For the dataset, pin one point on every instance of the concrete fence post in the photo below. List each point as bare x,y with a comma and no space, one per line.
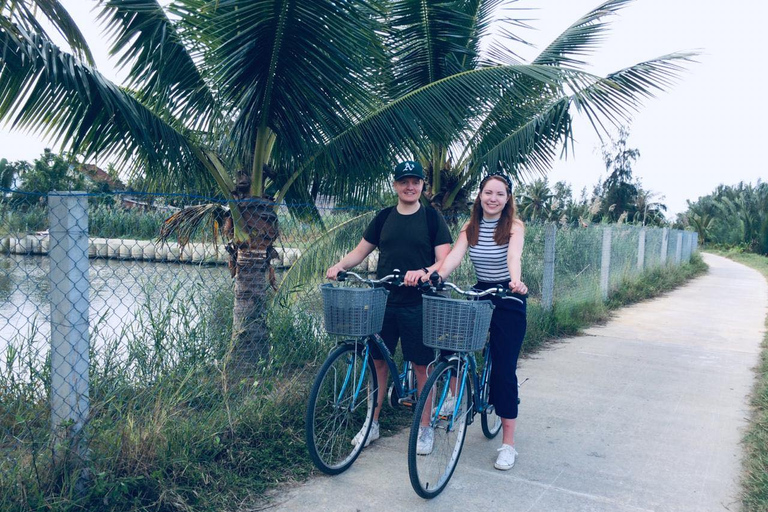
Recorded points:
695,242
605,264
664,246
68,212
641,250
679,248
548,282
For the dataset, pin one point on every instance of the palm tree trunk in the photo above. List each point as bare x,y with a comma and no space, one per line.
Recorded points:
250,335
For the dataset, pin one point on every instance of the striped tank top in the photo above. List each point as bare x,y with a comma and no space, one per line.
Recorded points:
489,259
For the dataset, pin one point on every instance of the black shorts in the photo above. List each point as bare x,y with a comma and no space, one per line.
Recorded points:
405,323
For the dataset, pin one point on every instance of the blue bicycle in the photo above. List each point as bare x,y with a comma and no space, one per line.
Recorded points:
457,389
344,394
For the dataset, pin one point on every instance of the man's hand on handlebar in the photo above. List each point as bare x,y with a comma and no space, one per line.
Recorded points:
334,271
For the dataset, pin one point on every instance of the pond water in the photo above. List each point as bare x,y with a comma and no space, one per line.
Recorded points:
118,290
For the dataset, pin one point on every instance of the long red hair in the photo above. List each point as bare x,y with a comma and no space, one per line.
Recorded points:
507,219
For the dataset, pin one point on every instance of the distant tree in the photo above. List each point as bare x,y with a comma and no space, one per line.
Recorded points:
649,211
619,191
732,215
51,172
10,171
535,201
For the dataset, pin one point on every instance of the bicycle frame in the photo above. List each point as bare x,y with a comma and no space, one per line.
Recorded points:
367,342
479,400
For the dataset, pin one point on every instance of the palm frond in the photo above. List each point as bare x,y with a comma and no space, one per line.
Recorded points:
429,40
25,13
163,72
309,269
191,220
299,68
47,90
619,95
523,145
580,39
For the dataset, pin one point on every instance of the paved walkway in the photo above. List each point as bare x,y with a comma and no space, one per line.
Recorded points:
643,413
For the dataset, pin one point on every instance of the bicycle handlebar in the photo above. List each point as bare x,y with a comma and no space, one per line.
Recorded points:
436,284
394,279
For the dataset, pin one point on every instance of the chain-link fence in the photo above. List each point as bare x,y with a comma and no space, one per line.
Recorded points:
118,358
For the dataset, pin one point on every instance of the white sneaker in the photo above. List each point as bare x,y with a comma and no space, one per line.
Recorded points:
372,435
506,458
426,441
449,405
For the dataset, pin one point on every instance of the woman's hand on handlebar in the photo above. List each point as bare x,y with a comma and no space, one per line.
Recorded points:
518,287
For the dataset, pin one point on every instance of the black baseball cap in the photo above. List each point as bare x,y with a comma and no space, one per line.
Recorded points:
409,168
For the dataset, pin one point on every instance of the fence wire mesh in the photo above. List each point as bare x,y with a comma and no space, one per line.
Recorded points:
109,338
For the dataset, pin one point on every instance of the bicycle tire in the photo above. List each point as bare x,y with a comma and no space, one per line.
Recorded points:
429,474
489,421
330,424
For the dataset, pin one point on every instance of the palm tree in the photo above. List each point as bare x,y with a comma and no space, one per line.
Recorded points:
521,131
647,209
282,98
535,201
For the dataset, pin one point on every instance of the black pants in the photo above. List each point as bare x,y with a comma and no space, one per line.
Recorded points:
508,325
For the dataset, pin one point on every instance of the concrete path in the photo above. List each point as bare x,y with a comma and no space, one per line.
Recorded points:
643,413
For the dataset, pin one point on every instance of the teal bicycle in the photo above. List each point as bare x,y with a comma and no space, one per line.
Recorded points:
345,392
457,389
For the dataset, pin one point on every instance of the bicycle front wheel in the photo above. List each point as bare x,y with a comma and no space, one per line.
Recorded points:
341,404
489,420
430,468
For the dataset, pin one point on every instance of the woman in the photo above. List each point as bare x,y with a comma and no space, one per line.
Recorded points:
494,237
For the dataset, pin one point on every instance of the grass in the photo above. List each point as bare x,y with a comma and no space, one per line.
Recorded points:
570,315
175,427
755,465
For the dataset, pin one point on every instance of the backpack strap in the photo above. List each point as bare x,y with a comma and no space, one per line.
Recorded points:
379,220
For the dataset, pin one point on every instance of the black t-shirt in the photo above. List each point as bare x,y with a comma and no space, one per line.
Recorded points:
404,243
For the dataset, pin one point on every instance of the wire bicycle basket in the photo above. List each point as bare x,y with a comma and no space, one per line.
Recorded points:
454,324
353,311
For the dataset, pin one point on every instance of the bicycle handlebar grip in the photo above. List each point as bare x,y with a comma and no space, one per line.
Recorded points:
341,276
434,278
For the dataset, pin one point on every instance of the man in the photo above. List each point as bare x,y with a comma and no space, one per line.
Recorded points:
414,239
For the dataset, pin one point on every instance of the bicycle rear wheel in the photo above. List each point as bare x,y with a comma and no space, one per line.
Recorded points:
430,473
341,404
489,420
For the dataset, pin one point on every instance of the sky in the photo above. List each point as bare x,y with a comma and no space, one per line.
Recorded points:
706,130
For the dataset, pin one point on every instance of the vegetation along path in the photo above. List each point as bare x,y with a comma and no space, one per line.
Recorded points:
643,413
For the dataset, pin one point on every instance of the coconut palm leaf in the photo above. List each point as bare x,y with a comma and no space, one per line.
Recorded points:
331,245
582,38
163,72
292,69
191,220
43,88
26,13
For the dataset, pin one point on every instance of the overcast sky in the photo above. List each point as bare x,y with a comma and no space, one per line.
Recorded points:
708,130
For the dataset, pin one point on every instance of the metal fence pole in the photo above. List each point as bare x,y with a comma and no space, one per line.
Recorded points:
664,245
68,276
548,283
605,264
641,250
679,248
